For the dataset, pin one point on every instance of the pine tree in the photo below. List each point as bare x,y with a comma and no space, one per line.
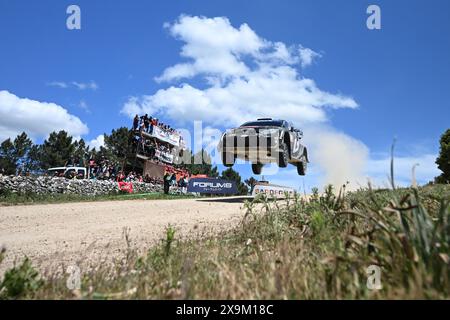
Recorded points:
13,155
251,182
230,174
119,146
7,164
57,150
443,160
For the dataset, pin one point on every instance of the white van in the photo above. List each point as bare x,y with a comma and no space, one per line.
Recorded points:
67,172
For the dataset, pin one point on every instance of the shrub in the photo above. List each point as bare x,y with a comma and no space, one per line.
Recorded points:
20,281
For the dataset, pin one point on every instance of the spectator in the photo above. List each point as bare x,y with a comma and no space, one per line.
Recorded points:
136,123
150,127
146,123
184,184
120,176
167,178
173,179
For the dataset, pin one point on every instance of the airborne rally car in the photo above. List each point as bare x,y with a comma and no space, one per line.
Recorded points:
264,141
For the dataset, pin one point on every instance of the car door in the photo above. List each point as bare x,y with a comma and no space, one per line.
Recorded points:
295,145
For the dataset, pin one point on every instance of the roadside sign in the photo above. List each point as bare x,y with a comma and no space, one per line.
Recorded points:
212,186
273,191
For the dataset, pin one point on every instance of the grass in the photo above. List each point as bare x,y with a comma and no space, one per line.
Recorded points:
11,199
317,249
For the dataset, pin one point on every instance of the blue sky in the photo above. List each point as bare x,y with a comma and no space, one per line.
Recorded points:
398,76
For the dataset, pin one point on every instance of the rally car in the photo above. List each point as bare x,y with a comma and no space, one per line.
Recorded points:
264,141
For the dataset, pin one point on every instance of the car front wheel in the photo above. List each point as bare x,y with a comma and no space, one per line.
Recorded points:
283,156
228,159
257,168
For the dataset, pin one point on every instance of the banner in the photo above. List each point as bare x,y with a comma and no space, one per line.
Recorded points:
164,156
212,186
273,190
126,186
172,138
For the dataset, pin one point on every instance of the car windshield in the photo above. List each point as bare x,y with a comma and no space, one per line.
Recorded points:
268,123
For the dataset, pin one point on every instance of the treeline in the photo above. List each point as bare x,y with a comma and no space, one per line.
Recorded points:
22,156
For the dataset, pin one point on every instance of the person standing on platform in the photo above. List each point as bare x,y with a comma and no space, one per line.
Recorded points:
167,179
135,123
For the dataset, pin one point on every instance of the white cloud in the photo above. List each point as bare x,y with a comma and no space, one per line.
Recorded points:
36,118
92,85
248,77
58,84
97,142
83,105
307,56
85,85
214,45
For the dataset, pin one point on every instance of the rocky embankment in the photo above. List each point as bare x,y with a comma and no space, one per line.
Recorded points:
50,185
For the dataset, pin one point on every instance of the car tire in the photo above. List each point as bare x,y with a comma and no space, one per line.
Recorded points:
228,159
301,168
257,168
283,156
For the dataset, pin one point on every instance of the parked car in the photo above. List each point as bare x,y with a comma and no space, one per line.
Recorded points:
69,172
265,141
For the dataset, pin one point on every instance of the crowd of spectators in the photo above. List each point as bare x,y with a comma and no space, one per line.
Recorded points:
107,170
170,179
155,149
148,147
103,169
146,124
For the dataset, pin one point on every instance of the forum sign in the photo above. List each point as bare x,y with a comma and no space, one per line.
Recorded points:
212,186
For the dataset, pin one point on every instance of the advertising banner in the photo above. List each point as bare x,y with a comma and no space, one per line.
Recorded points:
212,186
273,191
126,186
173,139
164,156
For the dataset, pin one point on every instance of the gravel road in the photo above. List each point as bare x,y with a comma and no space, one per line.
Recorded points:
56,235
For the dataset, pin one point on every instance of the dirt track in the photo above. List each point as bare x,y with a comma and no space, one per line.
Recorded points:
79,233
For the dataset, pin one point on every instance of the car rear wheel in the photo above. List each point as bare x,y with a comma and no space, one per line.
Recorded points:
257,168
283,156
228,159
301,168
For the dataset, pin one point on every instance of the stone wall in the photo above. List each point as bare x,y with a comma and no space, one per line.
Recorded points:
50,185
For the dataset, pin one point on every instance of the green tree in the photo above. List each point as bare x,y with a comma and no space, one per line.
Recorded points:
80,154
33,159
22,146
13,154
57,150
230,174
443,160
119,146
7,163
251,182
